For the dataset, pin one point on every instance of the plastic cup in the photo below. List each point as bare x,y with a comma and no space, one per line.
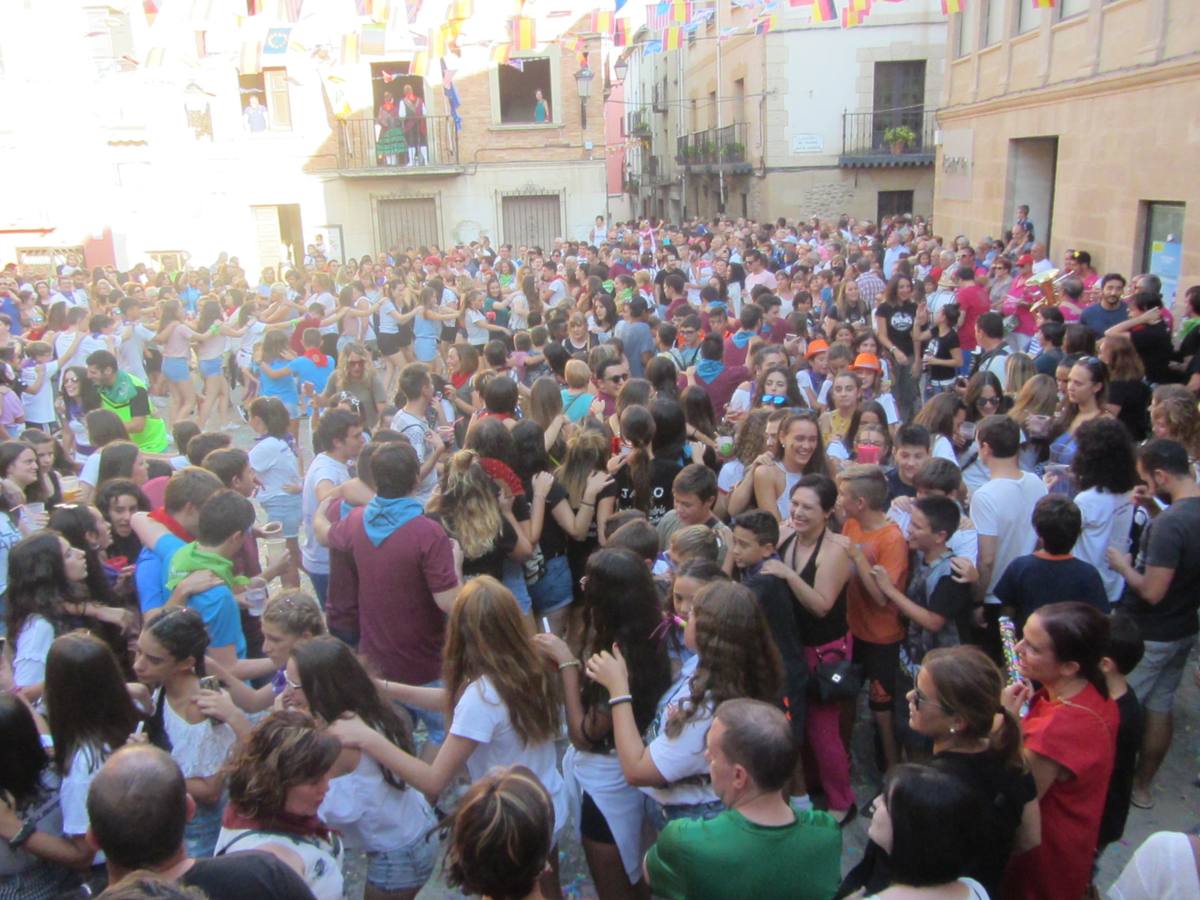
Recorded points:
70,487
725,444
256,596
967,431
276,548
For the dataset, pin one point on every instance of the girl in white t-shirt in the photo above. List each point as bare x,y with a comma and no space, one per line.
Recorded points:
197,727
735,657
505,705
273,458
375,811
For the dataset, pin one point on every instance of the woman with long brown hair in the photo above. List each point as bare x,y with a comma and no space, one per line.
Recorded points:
1128,394
801,452
735,657
504,705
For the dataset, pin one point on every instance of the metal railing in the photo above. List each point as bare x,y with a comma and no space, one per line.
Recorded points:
904,131
361,145
637,122
714,147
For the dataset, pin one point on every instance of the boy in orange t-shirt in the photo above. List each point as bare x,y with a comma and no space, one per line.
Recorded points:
874,622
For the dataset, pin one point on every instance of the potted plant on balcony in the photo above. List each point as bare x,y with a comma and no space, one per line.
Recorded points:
899,138
734,152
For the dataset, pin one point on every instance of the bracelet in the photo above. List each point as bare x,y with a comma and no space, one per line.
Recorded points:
586,503
570,663
623,698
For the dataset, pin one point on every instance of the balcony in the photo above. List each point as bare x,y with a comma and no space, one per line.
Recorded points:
715,150
637,123
888,138
359,155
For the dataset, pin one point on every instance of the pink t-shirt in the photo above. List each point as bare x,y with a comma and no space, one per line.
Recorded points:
176,343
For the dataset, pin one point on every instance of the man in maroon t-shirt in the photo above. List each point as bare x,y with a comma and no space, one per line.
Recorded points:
973,302
715,378
407,576
675,291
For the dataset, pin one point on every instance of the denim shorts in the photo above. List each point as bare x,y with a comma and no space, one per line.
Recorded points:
211,367
514,580
405,867
435,722
176,368
553,591
1157,676
285,509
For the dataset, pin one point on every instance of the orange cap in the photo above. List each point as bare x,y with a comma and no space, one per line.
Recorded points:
817,346
867,361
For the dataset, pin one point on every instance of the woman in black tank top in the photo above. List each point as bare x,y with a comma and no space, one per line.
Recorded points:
818,570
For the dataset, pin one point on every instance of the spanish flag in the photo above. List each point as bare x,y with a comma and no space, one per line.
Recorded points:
620,34
764,26
570,41
681,12
524,36
602,22
823,11
1043,4
672,37
954,6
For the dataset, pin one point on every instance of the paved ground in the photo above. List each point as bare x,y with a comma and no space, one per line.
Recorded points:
1176,793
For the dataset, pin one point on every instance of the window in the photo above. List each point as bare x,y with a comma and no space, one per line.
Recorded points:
893,203
267,89
993,26
109,35
1028,18
1069,8
960,35
899,96
1162,243
520,103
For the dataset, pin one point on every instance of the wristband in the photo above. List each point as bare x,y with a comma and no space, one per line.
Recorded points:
623,698
570,663
28,827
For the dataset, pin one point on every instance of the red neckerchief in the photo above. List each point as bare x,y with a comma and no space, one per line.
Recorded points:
162,517
285,823
319,358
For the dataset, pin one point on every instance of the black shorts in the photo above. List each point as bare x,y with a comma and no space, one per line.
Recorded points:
449,334
880,664
389,343
592,824
405,334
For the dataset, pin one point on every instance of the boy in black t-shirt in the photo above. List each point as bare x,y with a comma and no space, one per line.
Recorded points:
1121,656
755,537
1051,574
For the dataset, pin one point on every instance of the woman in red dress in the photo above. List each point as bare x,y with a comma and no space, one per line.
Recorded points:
1070,734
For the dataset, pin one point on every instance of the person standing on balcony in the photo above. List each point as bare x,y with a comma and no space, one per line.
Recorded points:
255,115
416,132
390,143
541,109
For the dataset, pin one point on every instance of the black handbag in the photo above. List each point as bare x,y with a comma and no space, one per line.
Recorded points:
834,680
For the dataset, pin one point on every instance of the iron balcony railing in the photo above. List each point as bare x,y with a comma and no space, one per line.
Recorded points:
900,136
725,146
637,122
362,145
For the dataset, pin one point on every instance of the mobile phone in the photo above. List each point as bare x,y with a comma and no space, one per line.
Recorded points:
545,625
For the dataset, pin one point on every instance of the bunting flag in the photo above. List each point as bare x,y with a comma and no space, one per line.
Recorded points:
364,7
765,26
413,8
437,42
621,34
501,53
419,66
462,9
619,4
524,34
451,95
277,40
350,48
1041,4
855,12
602,22
388,77
680,11
657,16
372,40
955,6
570,41
823,10
652,46
150,8
292,9
672,38
249,62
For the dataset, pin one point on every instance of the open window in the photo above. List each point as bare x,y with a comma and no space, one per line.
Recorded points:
266,103
526,96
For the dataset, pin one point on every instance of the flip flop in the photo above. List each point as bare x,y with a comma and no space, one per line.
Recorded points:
1147,801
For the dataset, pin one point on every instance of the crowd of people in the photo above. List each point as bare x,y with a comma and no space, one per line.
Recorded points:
630,536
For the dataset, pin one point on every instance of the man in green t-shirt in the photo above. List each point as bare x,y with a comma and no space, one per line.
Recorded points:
760,846
127,396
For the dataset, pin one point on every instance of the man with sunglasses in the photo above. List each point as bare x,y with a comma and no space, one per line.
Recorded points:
993,349
611,374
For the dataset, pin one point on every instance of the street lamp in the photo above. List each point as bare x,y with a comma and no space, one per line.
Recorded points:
583,84
620,68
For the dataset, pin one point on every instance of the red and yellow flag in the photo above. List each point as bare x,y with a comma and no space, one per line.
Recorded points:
823,11
620,34
420,64
603,21
1043,4
672,38
501,53
524,35
951,6
680,11
461,9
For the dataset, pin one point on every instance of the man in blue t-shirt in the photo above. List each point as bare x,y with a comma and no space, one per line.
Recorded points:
1111,310
313,367
179,517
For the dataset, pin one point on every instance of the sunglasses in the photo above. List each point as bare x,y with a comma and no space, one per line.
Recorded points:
988,401
919,700
618,379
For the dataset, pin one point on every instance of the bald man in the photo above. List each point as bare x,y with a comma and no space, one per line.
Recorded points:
138,806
